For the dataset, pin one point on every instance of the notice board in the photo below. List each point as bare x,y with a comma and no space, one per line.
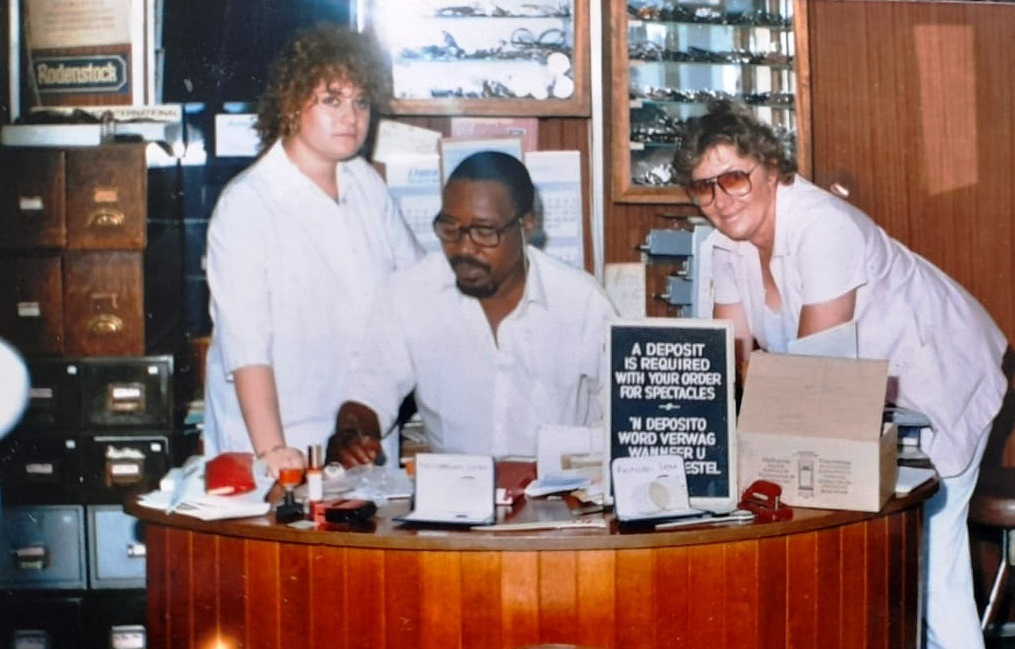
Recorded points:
672,393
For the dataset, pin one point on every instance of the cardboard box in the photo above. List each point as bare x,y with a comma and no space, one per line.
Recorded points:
813,425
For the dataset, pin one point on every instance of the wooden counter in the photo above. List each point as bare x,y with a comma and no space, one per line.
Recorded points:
825,579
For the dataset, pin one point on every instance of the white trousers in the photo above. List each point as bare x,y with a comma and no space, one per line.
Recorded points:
951,617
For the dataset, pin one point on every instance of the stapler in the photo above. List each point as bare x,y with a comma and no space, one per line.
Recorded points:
764,499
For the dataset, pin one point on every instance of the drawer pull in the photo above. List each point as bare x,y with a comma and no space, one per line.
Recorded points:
34,557
31,204
137,550
107,219
125,398
105,324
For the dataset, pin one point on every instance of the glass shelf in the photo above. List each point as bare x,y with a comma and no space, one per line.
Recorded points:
671,58
513,57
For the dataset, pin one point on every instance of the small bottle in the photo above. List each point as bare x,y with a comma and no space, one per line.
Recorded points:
315,473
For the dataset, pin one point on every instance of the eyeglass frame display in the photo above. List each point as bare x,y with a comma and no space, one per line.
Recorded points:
495,97
638,122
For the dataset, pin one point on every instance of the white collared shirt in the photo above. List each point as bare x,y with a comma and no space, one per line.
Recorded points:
474,394
292,276
941,344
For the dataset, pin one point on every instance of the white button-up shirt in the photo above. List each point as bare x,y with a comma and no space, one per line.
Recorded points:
941,344
476,394
292,276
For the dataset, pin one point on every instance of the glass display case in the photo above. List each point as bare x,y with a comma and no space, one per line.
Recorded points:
509,57
671,58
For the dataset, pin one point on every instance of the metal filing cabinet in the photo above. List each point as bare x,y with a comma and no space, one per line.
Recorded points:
116,549
44,547
34,622
114,467
688,288
54,396
127,393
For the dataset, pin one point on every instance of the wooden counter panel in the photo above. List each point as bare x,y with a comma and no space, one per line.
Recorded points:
850,586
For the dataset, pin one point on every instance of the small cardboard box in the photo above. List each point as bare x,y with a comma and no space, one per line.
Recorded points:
813,425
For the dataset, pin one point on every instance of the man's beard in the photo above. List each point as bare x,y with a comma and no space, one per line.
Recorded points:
472,290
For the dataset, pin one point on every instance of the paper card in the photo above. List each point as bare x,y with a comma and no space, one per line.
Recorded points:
395,138
568,451
839,342
453,489
557,178
414,181
625,284
650,488
453,151
235,135
526,128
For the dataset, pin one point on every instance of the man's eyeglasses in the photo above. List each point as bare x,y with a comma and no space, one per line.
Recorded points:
734,183
482,235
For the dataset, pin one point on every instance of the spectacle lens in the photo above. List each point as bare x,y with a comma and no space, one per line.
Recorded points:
482,235
735,183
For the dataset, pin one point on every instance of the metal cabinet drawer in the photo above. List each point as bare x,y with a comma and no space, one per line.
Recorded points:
117,466
128,393
40,468
47,621
116,549
43,547
54,398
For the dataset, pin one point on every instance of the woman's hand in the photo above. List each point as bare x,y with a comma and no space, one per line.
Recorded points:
282,457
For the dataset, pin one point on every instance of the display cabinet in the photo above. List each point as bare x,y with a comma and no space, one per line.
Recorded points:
671,57
510,57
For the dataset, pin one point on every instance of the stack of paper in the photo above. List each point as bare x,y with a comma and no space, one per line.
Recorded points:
183,492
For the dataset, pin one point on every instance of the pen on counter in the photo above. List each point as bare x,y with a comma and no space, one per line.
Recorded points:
735,517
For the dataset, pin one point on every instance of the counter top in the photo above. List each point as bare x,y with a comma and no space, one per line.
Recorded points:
386,533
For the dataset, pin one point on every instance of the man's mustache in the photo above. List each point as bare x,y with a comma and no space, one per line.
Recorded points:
462,260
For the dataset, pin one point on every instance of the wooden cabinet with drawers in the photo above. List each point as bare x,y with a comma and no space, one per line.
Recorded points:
76,239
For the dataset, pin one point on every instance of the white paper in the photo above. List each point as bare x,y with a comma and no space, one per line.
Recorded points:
625,284
396,139
557,177
453,151
839,341
414,181
577,447
235,135
454,489
194,502
910,478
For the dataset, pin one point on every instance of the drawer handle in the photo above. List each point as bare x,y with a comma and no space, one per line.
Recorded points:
106,219
105,324
34,557
137,550
125,398
31,205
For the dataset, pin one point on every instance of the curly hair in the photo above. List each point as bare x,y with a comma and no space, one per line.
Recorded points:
327,52
731,122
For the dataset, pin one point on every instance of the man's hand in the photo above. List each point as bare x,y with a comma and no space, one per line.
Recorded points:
357,437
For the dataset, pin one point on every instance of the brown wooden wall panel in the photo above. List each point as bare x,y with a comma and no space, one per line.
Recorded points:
911,114
851,586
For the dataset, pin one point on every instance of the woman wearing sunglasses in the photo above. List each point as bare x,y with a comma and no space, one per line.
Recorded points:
791,260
